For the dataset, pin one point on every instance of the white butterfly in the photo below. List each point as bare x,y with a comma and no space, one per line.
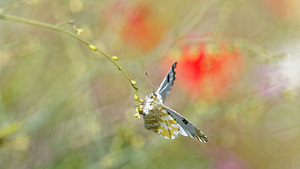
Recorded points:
163,120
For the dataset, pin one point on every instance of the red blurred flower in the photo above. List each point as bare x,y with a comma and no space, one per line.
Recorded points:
142,29
208,71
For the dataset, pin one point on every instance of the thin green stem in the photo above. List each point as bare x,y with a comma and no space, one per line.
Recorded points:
59,29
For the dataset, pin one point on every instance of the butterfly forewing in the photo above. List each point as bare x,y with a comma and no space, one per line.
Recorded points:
185,127
159,121
166,85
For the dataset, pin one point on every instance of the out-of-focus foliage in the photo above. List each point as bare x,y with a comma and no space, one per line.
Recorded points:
63,106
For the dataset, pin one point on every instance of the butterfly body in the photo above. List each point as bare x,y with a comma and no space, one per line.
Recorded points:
163,120
152,101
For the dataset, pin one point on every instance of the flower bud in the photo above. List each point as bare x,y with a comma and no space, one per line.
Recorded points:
79,31
136,97
93,47
137,115
115,58
133,82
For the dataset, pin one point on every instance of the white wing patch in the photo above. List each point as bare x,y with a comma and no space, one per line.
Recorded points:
166,85
186,128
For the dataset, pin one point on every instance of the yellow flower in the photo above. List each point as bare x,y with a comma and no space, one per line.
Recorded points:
133,82
136,97
79,31
93,47
137,115
115,58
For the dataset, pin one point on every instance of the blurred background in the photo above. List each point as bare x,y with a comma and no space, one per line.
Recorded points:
63,106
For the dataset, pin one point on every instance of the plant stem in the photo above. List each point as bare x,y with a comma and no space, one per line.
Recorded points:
59,29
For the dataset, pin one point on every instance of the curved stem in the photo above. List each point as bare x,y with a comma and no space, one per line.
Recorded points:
59,29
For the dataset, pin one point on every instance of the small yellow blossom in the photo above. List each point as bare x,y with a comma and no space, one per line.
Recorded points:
115,58
79,31
136,97
120,67
133,82
137,115
93,47
140,109
141,100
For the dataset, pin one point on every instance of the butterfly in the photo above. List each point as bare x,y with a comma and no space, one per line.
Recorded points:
163,120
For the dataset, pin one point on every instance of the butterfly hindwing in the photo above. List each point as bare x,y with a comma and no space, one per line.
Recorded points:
185,127
166,85
161,123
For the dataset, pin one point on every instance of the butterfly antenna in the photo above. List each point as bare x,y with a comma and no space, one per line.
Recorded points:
150,81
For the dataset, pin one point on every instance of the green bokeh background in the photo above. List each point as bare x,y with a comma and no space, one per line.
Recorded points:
65,106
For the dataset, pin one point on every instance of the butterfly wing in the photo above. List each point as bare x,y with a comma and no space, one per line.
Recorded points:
166,85
185,127
160,122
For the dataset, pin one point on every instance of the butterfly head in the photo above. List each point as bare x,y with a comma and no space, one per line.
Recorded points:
153,96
